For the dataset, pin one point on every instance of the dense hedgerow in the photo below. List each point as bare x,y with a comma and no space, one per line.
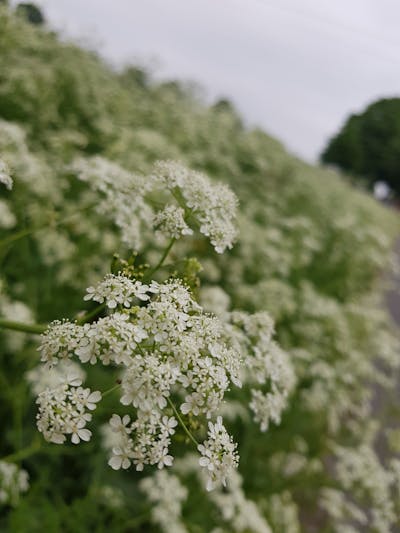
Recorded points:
236,346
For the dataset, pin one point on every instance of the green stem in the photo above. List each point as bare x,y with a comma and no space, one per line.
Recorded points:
109,391
91,314
41,328
16,236
24,453
162,259
21,326
138,520
182,423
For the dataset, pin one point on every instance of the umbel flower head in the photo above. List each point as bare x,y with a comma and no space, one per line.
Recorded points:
210,207
170,353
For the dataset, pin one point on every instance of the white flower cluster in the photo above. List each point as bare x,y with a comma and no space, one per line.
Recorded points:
288,463
267,407
241,513
123,196
13,481
171,222
112,497
63,411
110,339
166,347
17,160
144,441
119,290
341,509
57,248
212,207
166,493
219,456
266,364
5,177
359,472
283,513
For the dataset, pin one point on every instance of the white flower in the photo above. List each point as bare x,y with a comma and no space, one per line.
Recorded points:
170,424
78,431
119,424
165,459
120,459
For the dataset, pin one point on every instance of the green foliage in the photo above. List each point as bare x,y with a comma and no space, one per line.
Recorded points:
31,13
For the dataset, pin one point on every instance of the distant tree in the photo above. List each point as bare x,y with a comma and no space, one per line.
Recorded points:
31,13
223,104
368,145
136,75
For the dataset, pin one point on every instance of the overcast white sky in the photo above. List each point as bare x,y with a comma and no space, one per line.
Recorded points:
297,68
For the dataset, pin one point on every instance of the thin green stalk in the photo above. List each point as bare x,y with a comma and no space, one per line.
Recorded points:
24,453
28,231
41,328
162,259
109,391
182,423
21,326
16,236
138,520
91,314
